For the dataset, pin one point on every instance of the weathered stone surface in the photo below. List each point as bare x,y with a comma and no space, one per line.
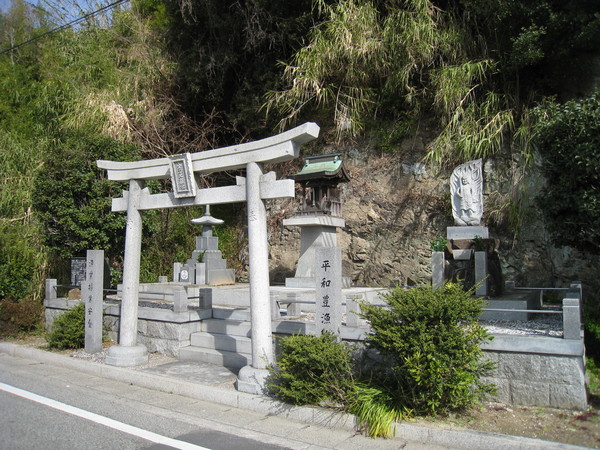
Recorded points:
518,366
142,326
529,393
538,380
567,396
502,389
168,330
164,346
562,370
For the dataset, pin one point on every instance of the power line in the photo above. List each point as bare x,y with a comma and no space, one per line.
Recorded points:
66,25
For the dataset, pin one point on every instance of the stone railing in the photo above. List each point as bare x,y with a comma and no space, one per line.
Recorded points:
177,294
571,310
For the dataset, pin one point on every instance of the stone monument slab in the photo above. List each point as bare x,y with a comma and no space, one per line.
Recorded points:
77,271
91,290
328,294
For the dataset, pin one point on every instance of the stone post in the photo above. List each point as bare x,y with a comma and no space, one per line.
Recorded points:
352,311
437,269
578,286
180,299
50,290
572,315
129,352
481,273
275,311
91,293
252,378
205,298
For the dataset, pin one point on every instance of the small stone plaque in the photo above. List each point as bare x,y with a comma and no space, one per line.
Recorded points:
77,271
182,176
328,308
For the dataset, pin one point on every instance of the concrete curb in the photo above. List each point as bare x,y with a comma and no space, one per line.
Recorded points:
464,439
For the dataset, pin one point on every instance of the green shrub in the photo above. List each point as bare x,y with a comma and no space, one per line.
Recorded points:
25,314
311,370
439,244
68,330
432,340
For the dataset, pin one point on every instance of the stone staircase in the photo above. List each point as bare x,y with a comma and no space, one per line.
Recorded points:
223,340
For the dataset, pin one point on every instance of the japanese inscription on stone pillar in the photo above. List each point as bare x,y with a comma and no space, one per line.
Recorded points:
182,176
91,294
328,314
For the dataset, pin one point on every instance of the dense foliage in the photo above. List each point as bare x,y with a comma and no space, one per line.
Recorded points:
68,330
432,337
568,140
311,370
227,53
73,198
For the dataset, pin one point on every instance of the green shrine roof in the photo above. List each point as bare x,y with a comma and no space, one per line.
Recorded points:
324,166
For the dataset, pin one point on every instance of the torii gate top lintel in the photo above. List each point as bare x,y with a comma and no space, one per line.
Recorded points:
278,148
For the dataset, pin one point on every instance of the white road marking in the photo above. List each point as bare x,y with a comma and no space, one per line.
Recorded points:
144,434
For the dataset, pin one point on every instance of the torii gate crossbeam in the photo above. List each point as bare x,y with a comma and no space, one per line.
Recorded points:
254,189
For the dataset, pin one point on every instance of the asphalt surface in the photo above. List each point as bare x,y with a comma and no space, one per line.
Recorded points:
312,427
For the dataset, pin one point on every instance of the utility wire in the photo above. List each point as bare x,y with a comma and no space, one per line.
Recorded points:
66,25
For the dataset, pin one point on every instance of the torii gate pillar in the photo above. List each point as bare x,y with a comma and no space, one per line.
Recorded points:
129,352
252,378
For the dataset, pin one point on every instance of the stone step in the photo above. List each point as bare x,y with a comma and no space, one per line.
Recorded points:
218,357
228,327
241,314
237,344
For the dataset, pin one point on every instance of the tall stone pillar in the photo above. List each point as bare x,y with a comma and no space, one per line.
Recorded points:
129,352
252,378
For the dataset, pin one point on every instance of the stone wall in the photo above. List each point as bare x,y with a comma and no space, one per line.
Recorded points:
160,330
538,371
530,370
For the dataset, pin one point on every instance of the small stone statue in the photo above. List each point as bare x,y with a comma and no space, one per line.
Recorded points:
466,187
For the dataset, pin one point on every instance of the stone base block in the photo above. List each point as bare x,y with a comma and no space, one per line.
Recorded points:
122,356
467,232
252,380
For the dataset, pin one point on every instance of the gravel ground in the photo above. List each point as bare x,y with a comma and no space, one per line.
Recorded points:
543,325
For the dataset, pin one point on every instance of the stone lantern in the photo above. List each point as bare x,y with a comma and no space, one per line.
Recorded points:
320,212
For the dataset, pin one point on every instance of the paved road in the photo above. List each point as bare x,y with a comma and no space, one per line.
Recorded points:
81,411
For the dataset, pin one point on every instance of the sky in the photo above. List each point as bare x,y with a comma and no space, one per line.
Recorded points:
68,9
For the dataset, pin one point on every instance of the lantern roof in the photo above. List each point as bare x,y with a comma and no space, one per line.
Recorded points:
329,167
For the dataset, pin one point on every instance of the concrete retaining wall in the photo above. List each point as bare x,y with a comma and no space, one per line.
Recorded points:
538,371
160,330
531,370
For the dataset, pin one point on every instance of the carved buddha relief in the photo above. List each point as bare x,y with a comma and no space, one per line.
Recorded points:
466,187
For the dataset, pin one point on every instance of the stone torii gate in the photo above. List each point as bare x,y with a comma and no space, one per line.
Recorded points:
253,189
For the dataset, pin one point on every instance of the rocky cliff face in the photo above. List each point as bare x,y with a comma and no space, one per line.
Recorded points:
394,206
